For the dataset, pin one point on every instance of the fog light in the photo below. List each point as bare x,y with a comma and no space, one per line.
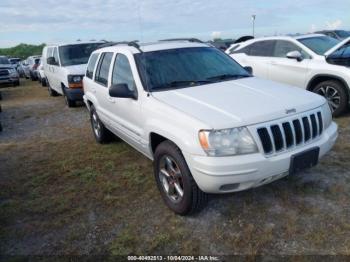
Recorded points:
229,187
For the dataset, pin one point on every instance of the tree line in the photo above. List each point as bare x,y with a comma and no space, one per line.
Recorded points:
22,50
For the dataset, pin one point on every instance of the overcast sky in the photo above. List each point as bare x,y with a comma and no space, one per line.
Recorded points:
32,21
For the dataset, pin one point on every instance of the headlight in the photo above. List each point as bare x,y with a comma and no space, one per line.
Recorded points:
327,115
74,79
227,142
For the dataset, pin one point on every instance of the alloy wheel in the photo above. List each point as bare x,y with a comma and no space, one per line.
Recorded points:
171,179
332,96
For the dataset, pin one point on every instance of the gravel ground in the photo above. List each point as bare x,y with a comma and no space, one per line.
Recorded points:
61,193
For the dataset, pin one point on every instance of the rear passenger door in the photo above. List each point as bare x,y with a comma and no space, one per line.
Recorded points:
100,87
257,55
125,112
286,70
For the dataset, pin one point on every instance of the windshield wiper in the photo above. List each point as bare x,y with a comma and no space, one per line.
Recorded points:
181,84
227,76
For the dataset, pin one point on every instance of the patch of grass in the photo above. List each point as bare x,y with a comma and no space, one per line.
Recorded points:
87,174
125,243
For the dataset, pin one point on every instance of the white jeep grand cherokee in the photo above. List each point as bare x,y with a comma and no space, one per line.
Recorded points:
208,125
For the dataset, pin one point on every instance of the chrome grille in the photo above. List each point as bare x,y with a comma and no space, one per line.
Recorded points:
4,72
284,135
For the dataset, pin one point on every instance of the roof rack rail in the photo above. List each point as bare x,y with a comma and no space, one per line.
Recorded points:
192,40
129,43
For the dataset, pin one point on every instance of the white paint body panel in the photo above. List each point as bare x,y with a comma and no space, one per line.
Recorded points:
180,114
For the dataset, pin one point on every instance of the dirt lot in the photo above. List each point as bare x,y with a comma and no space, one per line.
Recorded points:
61,193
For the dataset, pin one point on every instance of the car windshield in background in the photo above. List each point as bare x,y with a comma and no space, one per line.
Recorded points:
76,54
4,61
185,67
319,44
343,33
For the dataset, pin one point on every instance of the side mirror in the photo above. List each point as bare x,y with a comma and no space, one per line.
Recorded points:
295,55
51,60
249,69
122,91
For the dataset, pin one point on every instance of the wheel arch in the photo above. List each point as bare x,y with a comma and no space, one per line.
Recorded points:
315,80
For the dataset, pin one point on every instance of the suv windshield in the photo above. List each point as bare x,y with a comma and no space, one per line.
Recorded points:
4,61
343,33
319,44
178,68
76,54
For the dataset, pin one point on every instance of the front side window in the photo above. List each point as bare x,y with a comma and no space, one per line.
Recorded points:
122,73
76,54
91,65
186,67
283,47
319,44
55,55
103,69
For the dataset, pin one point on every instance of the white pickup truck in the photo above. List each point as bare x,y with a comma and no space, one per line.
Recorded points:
208,125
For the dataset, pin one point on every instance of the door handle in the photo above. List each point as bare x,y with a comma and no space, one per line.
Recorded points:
273,63
111,99
93,90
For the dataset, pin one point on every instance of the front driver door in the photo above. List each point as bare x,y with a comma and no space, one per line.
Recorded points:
125,112
285,70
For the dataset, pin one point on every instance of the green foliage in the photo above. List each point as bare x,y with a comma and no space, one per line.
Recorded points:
22,50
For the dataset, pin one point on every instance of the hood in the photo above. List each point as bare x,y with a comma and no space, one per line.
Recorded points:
76,69
336,47
241,102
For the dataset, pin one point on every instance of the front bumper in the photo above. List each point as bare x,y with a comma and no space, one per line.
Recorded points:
237,173
75,94
9,80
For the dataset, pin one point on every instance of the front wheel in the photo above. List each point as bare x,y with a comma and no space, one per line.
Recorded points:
335,93
175,182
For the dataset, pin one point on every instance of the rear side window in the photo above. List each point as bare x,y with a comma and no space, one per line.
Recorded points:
104,64
91,65
262,48
122,73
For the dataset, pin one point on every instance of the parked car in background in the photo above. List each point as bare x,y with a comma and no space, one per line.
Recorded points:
64,68
208,127
23,69
41,74
315,62
15,62
337,34
8,74
33,63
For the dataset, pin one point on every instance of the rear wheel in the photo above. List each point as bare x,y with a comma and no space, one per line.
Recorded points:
101,133
334,92
175,182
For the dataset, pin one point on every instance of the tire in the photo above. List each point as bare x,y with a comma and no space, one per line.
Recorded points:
335,93
168,157
0,96
69,102
43,82
101,133
51,91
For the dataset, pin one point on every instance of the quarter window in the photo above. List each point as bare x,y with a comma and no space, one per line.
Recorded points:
122,73
103,69
91,65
